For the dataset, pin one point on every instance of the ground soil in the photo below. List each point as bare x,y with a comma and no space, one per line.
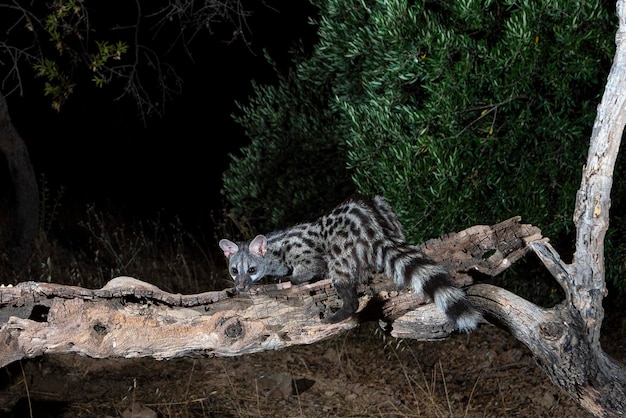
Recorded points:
359,374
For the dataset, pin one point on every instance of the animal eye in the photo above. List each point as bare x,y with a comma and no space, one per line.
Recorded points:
252,270
234,271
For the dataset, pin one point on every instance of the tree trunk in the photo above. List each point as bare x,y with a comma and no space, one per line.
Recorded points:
26,217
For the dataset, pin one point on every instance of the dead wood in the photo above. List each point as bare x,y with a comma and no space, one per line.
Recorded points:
130,318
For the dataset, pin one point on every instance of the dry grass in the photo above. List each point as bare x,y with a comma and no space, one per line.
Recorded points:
87,247
341,383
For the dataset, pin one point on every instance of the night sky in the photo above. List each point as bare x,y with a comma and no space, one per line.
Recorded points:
99,151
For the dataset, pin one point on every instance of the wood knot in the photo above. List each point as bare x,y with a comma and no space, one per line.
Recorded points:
551,330
100,328
234,330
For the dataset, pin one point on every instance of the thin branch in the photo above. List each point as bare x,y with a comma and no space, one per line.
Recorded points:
552,261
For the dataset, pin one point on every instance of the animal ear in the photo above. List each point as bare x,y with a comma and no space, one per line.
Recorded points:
229,248
258,245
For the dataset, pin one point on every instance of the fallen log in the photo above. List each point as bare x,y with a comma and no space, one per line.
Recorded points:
131,318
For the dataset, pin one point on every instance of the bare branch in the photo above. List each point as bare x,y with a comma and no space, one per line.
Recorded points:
551,259
192,18
591,215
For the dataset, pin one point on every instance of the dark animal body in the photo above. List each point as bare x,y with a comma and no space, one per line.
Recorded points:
356,239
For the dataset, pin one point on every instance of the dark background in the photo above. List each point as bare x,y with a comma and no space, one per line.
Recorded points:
99,151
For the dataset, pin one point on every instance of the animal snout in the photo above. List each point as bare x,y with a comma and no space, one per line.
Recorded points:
243,282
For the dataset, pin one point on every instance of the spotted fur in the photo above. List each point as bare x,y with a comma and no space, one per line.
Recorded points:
357,238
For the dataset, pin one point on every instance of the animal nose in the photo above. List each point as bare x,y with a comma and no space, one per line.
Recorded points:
242,282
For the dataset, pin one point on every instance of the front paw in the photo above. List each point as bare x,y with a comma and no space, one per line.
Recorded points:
340,315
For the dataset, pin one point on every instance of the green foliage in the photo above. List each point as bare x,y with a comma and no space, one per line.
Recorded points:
68,28
469,111
58,84
64,20
459,112
106,51
294,168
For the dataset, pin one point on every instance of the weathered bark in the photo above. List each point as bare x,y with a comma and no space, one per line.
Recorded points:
26,217
129,318
561,346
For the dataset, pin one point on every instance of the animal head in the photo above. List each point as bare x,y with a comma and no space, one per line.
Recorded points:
245,265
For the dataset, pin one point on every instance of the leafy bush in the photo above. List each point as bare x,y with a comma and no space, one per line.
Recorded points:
474,110
460,112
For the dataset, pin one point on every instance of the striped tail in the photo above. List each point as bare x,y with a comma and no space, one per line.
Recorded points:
407,266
